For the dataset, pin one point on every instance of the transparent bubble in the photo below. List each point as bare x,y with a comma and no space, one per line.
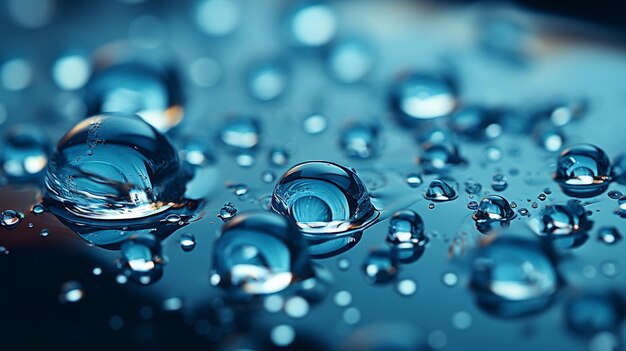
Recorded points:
420,96
134,88
113,167
406,230
11,218
361,140
141,259
24,153
240,133
439,151
380,267
187,242
259,253
267,81
440,190
493,208
312,25
588,313
350,60
609,235
583,170
71,291
323,198
476,123
514,276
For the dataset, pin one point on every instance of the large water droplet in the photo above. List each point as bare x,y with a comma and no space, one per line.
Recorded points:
565,224
11,218
151,92
113,167
361,140
259,253
406,230
514,276
24,153
583,170
323,198
440,190
420,96
439,151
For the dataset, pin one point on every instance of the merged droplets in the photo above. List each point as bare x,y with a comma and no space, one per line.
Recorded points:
440,190
421,96
361,140
583,170
24,153
259,253
113,167
513,277
135,88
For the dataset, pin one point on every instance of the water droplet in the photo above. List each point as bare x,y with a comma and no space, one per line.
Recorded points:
282,335
218,17
380,267
565,224
440,190
85,177
476,123
604,341
187,242
141,259
499,182
439,151
71,72
351,315
11,218
472,187
342,298
542,197
549,138
406,287
227,212
172,304
361,140
420,96
462,320
450,279
259,253
278,157
523,211
268,177
273,303
343,264
296,307
437,340
414,180
133,88
614,194
71,291
534,205
240,133
406,230
323,198
493,154
431,206
610,268
493,208
312,25
609,235
472,205
44,233
195,151
350,60
583,170
24,153
96,271
37,209
267,81
315,123
588,313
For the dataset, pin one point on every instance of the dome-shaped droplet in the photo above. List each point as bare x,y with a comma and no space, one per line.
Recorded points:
350,60
152,93
113,167
591,312
259,253
566,225
406,229
361,140
493,208
141,259
24,153
439,151
267,81
421,96
440,190
609,235
323,198
476,123
380,267
240,133
583,170
11,218
618,171
187,242
513,276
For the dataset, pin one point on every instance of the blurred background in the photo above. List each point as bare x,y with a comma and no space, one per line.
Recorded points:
246,89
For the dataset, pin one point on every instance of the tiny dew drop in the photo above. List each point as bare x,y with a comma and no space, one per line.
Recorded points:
71,291
44,233
187,242
227,212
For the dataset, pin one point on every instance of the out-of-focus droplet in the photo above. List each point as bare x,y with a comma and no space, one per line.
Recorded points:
472,187
583,170
141,259
614,194
499,182
312,24
282,335
24,153
565,224
205,72
549,138
217,17
187,242
241,133
71,72
618,169
361,140
609,235
414,180
588,313
380,267
278,157
44,233
16,74
406,287
32,14
268,81
315,123
439,151
476,123
421,96
350,60
71,291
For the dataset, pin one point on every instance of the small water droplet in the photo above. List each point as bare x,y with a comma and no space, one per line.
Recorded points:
380,267
439,151
361,140
342,298
431,206
44,233
472,187
96,271
227,212
499,182
406,287
71,291
583,170
240,133
440,190
406,230
609,235
282,335
315,123
462,320
296,307
278,157
312,25
523,211
141,259
614,194
542,197
187,242
472,205
414,180
268,177
534,205
565,224
267,81
350,60
493,154
476,123
24,153
37,209
343,264
450,279
421,96
493,208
